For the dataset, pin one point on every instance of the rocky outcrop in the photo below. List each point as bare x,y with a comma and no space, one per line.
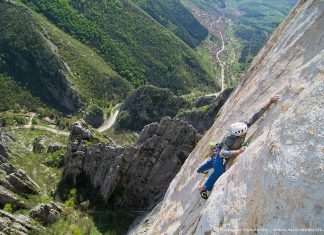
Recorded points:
94,116
7,197
5,139
204,111
16,180
135,176
4,150
13,225
46,213
13,182
39,144
277,183
53,147
146,105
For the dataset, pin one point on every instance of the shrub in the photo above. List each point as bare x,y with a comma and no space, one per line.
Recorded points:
71,201
75,229
7,208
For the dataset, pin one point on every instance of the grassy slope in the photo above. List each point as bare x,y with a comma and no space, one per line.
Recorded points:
174,16
14,95
136,46
94,78
25,56
37,41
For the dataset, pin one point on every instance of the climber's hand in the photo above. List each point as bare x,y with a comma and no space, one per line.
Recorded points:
274,99
241,150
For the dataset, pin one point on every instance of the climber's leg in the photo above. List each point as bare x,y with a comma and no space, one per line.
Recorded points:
206,166
219,169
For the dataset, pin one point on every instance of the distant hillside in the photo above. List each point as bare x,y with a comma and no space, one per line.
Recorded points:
257,21
174,16
137,47
27,58
68,54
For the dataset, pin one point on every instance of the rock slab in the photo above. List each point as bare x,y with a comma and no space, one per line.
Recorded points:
46,213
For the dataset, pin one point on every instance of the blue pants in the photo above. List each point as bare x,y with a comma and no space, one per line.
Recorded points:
216,163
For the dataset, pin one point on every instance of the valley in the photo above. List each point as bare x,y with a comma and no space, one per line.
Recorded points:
243,31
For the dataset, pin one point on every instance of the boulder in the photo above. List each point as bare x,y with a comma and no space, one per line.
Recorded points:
94,116
39,144
7,197
55,162
79,131
146,105
135,176
19,182
46,213
204,110
53,147
16,180
20,225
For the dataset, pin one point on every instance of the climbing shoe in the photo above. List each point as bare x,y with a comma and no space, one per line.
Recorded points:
204,193
202,172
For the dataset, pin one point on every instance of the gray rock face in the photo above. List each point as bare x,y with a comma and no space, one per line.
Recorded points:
146,105
3,150
5,139
46,213
94,116
13,181
135,176
7,197
53,147
16,180
204,111
13,225
39,144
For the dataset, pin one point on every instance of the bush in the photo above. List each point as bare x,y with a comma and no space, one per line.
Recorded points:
21,120
7,208
75,229
71,201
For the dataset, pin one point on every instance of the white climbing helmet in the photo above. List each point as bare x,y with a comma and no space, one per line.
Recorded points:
238,129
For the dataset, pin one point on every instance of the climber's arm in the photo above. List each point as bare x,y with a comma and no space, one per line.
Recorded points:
226,153
259,114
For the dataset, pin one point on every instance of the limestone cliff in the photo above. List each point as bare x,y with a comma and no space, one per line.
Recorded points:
278,182
136,176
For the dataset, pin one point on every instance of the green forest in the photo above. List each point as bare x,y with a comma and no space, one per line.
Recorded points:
95,52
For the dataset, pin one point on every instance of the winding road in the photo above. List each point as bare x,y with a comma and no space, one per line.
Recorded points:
220,62
111,120
49,129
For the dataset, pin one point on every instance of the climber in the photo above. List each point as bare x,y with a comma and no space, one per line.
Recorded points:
231,146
